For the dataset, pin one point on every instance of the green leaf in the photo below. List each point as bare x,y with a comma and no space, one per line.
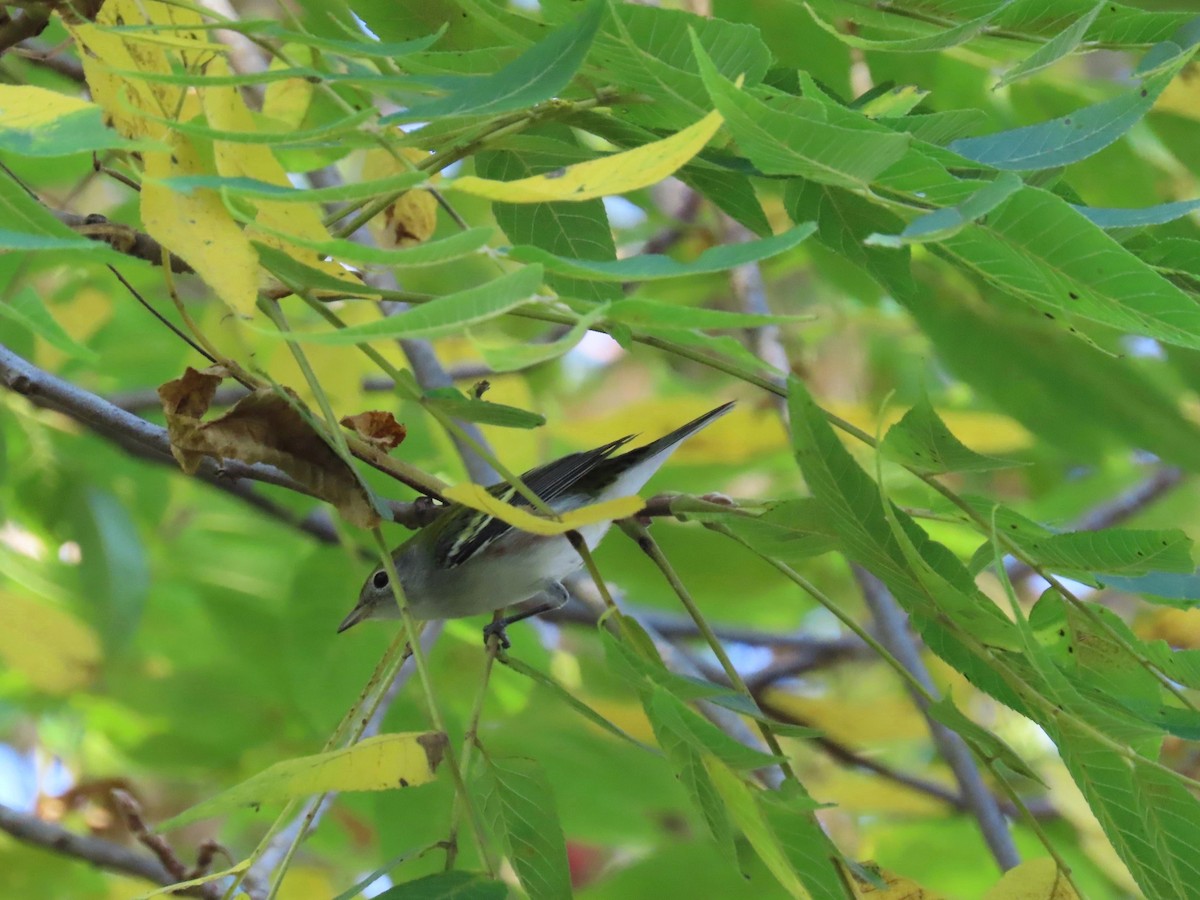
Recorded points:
844,221
652,314
1119,551
520,804
649,51
538,74
1054,49
688,764
1073,137
510,357
797,135
113,570
669,713
428,253
365,45
985,744
453,885
927,580
789,530
1036,246
947,221
455,403
572,701
1165,585
299,276
254,189
814,857
1152,820
652,266
574,230
922,440
1096,401
445,315
940,40
1141,217
740,800
36,122
27,310
29,226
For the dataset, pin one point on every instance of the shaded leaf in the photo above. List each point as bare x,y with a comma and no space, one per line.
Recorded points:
448,314
25,308
520,805
922,440
649,267
1063,43
470,409
453,885
798,136
541,72
1077,136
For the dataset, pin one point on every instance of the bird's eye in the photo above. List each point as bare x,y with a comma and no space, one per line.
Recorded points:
380,580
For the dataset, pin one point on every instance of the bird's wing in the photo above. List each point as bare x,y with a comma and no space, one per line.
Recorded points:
551,481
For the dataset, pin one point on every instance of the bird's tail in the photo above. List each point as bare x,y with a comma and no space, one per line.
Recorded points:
634,468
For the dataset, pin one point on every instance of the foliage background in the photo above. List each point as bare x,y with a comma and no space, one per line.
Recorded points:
175,639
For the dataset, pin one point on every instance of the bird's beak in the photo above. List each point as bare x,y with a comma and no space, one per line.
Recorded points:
356,615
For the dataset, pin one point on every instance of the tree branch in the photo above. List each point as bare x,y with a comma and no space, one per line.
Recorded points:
122,238
893,633
98,852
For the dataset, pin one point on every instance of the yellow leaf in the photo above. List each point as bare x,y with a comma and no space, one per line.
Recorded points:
30,107
615,174
287,101
377,764
225,110
412,218
52,649
198,228
1034,879
476,497
103,50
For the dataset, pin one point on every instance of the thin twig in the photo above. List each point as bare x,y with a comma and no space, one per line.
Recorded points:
650,547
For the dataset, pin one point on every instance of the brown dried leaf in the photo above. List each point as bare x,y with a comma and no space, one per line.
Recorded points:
191,394
263,427
378,427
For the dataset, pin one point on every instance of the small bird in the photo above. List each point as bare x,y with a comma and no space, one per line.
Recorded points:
467,562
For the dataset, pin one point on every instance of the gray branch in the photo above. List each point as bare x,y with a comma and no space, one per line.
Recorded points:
98,852
892,629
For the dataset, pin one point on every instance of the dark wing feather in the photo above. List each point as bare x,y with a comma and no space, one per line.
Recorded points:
551,481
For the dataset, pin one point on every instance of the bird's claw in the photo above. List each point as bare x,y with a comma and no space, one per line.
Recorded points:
497,629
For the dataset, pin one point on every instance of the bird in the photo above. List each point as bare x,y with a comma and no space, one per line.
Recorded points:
466,562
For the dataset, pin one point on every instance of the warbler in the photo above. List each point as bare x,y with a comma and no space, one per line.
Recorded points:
466,562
